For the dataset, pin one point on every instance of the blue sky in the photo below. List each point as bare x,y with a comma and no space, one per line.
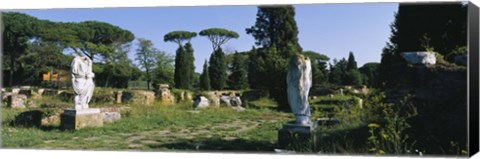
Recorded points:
330,29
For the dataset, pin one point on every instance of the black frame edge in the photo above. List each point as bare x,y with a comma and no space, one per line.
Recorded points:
473,73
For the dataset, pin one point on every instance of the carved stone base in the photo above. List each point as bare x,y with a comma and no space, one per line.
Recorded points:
293,136
77,119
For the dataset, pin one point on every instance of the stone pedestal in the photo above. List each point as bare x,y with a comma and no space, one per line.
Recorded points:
294,135
118,97
79,118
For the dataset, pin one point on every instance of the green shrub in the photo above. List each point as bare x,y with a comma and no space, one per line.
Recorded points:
390,137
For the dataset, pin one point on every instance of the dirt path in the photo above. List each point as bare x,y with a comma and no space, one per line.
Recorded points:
169,138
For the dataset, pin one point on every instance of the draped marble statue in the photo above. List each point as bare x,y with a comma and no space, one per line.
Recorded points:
82,81
299,81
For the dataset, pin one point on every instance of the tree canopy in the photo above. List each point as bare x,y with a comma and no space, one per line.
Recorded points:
276,27
179,36
218,36
96,37
146,56
18,29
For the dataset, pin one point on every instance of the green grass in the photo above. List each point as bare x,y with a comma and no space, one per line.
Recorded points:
263,103
158,127
150,119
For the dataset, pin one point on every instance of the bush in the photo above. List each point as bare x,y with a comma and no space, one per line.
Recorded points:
353,77
390,136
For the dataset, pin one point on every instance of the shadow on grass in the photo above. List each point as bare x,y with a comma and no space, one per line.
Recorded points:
32,118
352,140
51,128
218,144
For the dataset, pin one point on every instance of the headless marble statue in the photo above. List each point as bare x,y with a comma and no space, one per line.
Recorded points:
299,81
82,81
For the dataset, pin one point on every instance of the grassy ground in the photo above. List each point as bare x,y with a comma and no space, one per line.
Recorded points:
174,127
179,128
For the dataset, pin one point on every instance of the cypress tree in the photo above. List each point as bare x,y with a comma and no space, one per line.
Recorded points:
352,64
184,75
205,78
189,64
238,79
218,70
180,68
276,31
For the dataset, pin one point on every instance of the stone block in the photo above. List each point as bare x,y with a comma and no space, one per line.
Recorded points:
110,117
225,100
15,90
422,57
293,136
17,101
77,119
40,91
139,97
236,101
111,114
5,95
214,98
166,97
200,102
26,92
51,120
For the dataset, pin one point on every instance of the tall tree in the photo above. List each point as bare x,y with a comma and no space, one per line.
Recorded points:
90,38
337,72
276,27
218,36
189,64
96,38
218,70
238,78
353,77
184,59
181,75
352,64
18,28
370,70
164,70
41,57
205,77
444,24
116,67
319,67
276,31
441,27
218,64
146,55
